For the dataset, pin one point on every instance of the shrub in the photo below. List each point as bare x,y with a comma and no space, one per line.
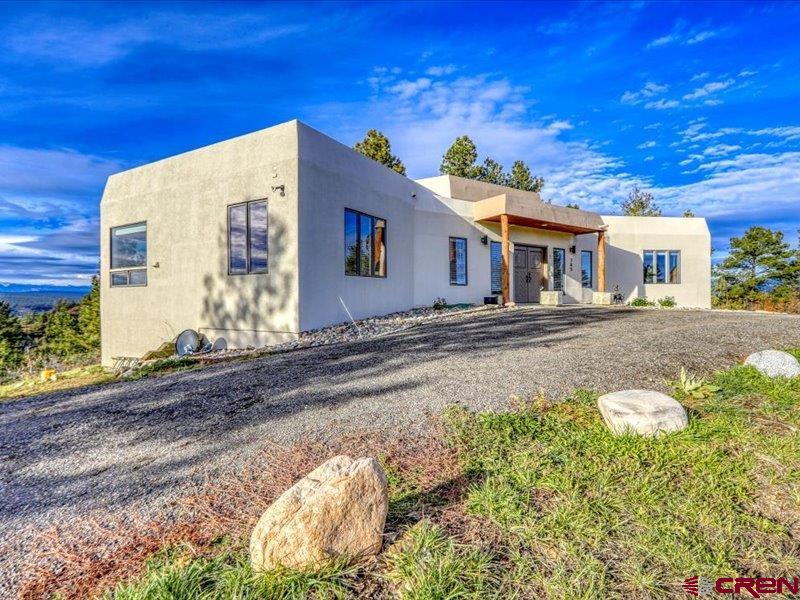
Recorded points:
667,302
694,387
439,304
641,302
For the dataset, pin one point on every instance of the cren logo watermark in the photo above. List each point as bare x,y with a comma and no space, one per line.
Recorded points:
756,587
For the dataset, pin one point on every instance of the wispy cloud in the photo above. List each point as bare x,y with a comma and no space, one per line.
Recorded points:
649,90
647,144
662,104
709,88
680,34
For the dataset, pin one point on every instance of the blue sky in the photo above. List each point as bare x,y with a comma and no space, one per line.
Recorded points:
699,103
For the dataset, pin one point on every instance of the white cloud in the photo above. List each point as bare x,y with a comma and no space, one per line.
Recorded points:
438,71
721,149
648,144
649,90
789,133
701,37
700,76
407,89
709,88
663,40
662,104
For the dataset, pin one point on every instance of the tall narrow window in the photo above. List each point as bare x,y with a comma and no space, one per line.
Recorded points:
129,255
496,252
661,266
587,276
364,244
458,261
559,267
247,238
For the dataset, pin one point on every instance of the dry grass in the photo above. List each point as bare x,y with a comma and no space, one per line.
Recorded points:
85,559
67,380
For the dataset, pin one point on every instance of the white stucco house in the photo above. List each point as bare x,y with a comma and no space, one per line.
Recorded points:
260,237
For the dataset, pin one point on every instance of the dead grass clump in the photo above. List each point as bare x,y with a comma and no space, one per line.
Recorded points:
85,558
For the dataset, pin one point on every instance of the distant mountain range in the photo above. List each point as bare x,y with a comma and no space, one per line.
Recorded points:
11,288
25,298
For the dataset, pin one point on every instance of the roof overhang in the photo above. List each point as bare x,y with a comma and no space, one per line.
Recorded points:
540,215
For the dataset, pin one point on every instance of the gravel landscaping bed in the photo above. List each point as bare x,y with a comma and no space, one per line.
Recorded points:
134,445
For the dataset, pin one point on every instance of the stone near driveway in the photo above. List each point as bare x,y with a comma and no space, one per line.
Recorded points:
774,363
644,412
336,511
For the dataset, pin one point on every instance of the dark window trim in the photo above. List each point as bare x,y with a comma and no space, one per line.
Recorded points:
126,270
563,273
654,253
247,204
358,214
466,261
591,270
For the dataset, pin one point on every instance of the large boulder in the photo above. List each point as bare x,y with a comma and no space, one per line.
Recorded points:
336,511
643,412
774,363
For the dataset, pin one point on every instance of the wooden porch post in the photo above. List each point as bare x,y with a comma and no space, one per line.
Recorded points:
504,270
601,261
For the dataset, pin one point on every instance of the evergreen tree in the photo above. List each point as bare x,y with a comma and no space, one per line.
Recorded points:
688,213
521,178
62,337
376,146
12,339
89,317
759,261
640,204
460,158
492,172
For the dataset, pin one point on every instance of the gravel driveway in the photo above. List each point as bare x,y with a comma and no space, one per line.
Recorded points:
136,442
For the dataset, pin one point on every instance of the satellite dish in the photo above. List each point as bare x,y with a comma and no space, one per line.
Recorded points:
188,342
219,345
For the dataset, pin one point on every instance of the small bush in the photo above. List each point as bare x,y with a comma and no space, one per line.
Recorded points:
439,304
694,387
641,302
667,302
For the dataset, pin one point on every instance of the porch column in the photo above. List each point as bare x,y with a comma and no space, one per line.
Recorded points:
505,248
601,261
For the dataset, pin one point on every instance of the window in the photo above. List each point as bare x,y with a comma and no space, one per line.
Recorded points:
129,255
661,266
364,244
458,261
587,276
496,258
247,238
559,267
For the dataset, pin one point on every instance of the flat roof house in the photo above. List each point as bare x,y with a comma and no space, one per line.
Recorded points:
257,238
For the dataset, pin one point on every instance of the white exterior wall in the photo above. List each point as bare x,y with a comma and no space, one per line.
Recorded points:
628,237
334,177
184,200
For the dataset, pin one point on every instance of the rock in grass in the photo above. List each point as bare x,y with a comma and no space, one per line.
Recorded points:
643,412
774,363
338,511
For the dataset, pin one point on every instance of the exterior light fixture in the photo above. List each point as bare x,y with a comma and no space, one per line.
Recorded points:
485,240
572,249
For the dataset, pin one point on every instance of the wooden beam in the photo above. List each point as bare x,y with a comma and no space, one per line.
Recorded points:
601,261
504,270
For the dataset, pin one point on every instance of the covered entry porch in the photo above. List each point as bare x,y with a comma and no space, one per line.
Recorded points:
527,268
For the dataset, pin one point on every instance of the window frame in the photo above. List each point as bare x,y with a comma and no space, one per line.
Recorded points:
126,270
375,220
247,244
591,270
450,240
563,272
653,253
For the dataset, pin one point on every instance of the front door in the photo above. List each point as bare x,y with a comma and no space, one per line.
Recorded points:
527,274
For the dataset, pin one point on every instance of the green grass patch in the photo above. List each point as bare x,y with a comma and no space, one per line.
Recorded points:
177,575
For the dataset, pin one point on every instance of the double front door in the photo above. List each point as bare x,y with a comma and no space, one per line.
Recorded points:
528,277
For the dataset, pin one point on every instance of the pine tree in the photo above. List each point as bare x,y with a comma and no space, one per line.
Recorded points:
89,317
688,213
522,179
12,339
640,204
376,146
492,172
62,337
460,158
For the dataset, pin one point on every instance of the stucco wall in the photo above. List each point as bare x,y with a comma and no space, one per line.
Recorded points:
628,237
184,201
334,177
